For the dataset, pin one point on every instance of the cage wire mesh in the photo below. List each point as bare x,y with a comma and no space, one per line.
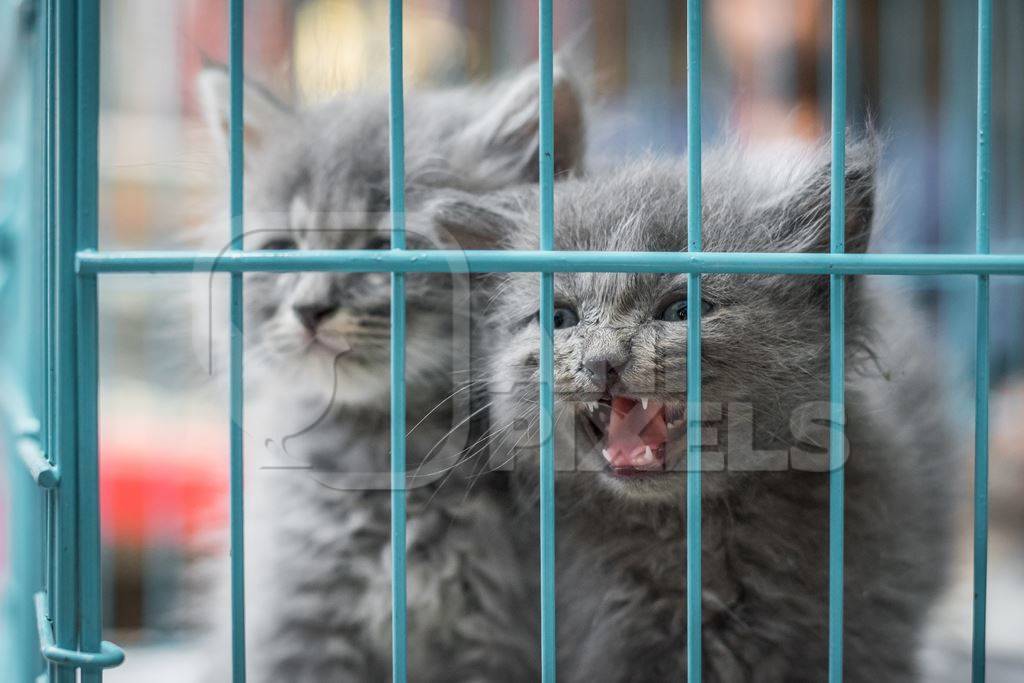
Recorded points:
51,168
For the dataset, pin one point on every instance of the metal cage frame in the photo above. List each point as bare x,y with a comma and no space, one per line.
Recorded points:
60,448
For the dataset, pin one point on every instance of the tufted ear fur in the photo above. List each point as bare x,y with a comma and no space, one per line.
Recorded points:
461,220
804,215
261,111
503,143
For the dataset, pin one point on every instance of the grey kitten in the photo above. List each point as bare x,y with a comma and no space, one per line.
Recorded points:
620,373
318,515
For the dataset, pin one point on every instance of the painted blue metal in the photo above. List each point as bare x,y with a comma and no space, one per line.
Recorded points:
72,638
69,426
91,663
442,261
396,109
22,300
983,171
28,570
981,423
837,349
87,160
43,473
25,431
548,629
398,487
236,48
954,207
693,370
62,441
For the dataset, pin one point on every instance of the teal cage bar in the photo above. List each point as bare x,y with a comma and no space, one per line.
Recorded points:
837,348
982,182
693,378
236,43
547,351
397,160
59,448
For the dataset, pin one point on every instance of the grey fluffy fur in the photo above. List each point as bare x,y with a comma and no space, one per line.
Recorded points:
620,555
317,518
318,566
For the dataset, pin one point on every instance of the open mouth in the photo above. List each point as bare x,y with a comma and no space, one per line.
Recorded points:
634,433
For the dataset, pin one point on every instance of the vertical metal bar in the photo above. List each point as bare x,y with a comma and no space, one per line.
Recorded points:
983,172
693,369
88,342
547,351
50,554
236,49
837,349
398,492
63,430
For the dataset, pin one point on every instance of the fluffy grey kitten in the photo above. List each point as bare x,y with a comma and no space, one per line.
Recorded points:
620,373
318,516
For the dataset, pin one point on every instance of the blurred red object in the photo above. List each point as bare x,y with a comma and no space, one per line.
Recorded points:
159,488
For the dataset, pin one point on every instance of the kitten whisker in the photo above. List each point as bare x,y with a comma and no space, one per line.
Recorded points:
438,405
451,431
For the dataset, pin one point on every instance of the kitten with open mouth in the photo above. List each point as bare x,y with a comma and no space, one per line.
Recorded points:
636,435
619,380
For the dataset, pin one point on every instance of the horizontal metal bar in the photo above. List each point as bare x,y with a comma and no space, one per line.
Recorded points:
24,428
110,655
43,472
443,261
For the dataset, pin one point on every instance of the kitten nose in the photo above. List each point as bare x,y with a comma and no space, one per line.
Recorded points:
604,370
311,315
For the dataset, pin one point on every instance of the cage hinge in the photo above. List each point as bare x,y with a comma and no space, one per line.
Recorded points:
109,656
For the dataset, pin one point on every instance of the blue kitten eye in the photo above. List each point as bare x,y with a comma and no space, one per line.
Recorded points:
676,311
565,317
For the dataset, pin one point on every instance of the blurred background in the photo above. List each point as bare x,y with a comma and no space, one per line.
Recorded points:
164,421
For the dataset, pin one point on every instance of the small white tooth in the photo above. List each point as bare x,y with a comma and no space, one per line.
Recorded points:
607,454
648,455
643,403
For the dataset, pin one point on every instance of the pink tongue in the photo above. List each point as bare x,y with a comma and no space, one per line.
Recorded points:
632,430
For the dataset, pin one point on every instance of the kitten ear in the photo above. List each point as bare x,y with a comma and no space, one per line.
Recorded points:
501,146
261,110
808,212
461,220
